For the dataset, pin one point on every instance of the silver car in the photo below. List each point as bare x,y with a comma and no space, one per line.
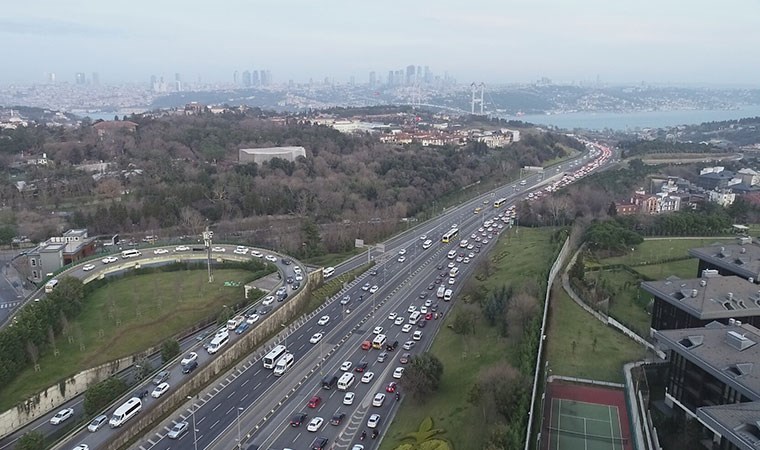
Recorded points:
178,430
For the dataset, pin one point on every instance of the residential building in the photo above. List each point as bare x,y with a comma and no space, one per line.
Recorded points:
715,178
58,251
626,208
260,155
749,177
723,197
741,259
110,127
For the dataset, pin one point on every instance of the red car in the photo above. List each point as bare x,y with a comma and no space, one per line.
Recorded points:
429,316
391,387
315,401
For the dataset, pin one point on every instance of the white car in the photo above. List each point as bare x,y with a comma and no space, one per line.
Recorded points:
88,267
316,338
323,320
374,421
240,251
109,259
451,265
423,237
315,424
61,416
428,302
417,335
401,259
368,377
160,390
271,258
268,300
257,254
160,251
392,316
406,328
377,330
252,318
346,366
366,287
373,289
378,400
192,356
398,373
452,280
402,252
299,277
423,310
182,248
219,249
348,399
398,321
466,260
82,447
411,309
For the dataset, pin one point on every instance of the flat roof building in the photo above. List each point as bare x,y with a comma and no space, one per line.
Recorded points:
58,251
741,259
261,155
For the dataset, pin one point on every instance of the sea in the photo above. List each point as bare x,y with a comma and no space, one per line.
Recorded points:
636,120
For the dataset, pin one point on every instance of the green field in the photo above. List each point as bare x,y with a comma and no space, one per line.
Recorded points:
628,302
515,259
654,250
685,268
127,316
578,345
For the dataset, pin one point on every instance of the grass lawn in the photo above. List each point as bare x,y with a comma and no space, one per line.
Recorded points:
626,304
568,324
126,316
515,258
686,268
652,251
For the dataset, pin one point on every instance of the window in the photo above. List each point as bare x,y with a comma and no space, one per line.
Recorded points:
35,274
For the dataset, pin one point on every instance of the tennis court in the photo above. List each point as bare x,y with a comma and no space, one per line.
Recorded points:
578,425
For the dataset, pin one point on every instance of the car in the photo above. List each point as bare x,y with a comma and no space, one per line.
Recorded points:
401,259
485,241
421,323
361,367
451,265
61,416
366,287
402,252
268,300
466,260
109,259
377,330
337,418
452,280
434,307
373,289
423,310
299,277
88,267
471,255
240,250
286,261
97,423
187,368
381,357
160,251
319,443
257,254
406,328
368,377
178,430
378,399
323,320
440,266
423,295
374,421
314,401
271,258
373,272
428,316
161,377
242,328
398,372
431,286
366,345
251,318
398,321
192,356
315,338
289,280
391,347
182,248
297,419
219,249
348,399
346,366
160,390
392,316
405,358
428,303
315,424
423,237
408,345
345,300
459,259
82,447
392,385
417,335
411,309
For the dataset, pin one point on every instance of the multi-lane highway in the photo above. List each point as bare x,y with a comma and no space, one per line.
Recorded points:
251,404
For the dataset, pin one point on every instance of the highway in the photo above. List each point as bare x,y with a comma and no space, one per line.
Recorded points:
250,399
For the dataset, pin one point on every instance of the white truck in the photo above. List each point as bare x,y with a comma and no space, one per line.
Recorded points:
441,292
235,322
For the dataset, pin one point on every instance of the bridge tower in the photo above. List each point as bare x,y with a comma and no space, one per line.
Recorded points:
477,99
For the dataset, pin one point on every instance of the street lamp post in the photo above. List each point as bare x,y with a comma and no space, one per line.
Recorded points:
240,444
195,429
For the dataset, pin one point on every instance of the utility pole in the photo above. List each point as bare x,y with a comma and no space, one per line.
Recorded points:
207,240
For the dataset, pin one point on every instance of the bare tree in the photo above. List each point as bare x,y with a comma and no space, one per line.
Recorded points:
191,220
521,310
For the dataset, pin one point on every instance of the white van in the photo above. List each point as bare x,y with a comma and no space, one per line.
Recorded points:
454,271
427,244
452,254
463,243
125,412
414,317
50,285
219,341
284,363
447,295
346,381
328,271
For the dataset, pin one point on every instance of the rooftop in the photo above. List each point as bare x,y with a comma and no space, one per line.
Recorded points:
739,422
729,352
273,150
742,259
716,297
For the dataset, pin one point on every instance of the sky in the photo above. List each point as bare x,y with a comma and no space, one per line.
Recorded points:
499,41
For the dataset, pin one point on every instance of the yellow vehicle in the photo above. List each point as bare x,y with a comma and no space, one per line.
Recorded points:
478,209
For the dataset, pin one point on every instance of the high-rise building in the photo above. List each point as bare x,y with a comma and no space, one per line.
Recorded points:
372,79
235,78
428,75
177,82
80,78
352,80
409,74
50,77
418,74
246,78
256,81
95,79
390,78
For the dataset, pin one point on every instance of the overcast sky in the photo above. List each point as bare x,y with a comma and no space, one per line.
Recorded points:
671,41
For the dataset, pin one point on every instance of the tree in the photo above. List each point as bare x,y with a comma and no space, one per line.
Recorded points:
578,270
423,376
101,394
612,210
169,349
7,233
33,440
464,321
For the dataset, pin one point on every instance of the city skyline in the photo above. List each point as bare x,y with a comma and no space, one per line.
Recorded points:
673,42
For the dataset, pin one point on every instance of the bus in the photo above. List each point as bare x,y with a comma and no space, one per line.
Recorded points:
500,202
328,271
450,235
50,285
272,357
379,341
285,363
125,412
131,253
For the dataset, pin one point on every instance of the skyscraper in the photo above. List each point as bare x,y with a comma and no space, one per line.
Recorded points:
177,82
256,81
80,78
390,78
95,79
246,78
235,78
409,74
372,79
